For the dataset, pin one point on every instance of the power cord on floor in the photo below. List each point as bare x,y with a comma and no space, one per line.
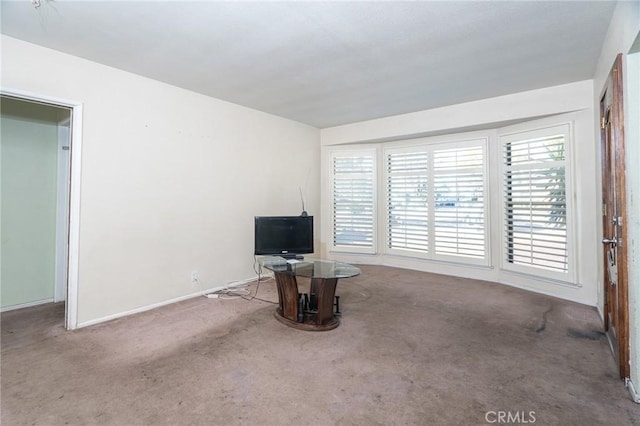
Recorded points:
256,293
239,292
229,293
257,268
243,291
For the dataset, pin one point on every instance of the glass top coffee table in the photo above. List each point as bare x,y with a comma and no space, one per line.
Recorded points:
313,311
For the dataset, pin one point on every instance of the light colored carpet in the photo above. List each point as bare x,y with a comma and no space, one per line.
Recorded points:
412,349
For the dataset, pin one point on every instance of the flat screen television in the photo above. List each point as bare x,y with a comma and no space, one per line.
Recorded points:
285,236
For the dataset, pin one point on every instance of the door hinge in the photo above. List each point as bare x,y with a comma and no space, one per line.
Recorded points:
602,122
604,209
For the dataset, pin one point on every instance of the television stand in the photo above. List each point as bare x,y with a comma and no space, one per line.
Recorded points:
313,311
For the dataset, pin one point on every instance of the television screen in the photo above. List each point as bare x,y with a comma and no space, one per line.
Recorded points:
283,235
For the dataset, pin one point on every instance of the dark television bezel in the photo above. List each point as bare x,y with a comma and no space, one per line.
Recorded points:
284,251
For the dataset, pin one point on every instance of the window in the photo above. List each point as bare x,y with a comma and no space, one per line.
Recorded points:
353,194
502,199
536,205
436,201
459,213
407,200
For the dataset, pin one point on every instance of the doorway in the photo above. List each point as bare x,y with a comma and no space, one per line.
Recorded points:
40,171
614,220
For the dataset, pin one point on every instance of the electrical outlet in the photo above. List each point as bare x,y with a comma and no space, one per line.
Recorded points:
194,276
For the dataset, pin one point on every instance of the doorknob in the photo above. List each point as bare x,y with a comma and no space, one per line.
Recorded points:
612,241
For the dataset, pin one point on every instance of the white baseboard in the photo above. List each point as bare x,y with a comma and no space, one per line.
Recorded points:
26,305
562,290
163,303
635,396
600,312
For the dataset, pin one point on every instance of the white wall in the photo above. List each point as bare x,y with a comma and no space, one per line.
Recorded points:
632,136
170,180
571,102
624,29
486,113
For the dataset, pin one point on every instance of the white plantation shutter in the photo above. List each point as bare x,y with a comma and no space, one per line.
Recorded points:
459,202
436,201
407,210
353,193
439,200
535,201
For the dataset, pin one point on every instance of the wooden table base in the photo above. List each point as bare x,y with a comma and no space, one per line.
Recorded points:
333,323
321,318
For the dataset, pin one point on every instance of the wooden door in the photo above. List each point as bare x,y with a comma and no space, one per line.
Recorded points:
616,306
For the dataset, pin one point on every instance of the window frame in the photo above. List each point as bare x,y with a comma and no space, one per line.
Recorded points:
367,152
430,147
530,132
486,259
387,213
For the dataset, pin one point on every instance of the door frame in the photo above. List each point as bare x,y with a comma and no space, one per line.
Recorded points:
617,130
75,146
62,211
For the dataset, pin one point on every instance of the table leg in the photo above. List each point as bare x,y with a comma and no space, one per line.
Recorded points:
324,290
287,296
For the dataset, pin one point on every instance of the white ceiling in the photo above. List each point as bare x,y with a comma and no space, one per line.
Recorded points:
328,63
